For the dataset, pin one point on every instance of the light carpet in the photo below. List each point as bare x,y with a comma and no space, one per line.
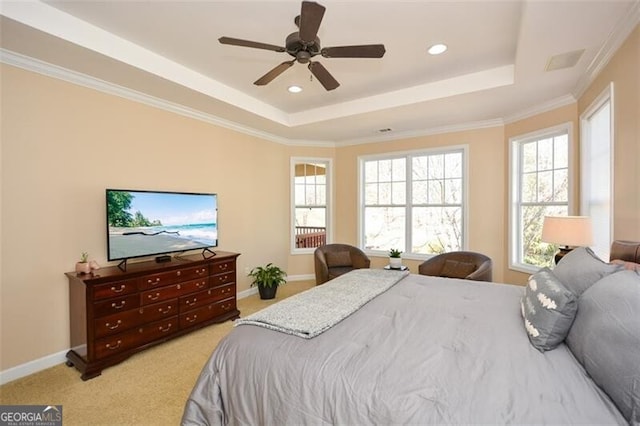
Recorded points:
150,388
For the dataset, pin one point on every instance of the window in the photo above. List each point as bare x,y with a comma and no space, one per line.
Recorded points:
596,169
540,186
413,202
310,194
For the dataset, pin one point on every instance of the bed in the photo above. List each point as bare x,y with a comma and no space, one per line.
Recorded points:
431,350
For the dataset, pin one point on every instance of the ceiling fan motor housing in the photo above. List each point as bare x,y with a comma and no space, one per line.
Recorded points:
300,50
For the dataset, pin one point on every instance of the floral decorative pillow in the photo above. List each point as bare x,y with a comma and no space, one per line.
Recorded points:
548,309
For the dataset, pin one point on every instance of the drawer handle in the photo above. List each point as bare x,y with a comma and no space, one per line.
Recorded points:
113,327
164,312
118,290
120,306
222,266
164,330
153,282
151,297
191,302
113,347
226,307
179,273
192,319
201,284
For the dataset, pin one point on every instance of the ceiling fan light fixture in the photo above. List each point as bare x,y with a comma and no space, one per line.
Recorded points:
437,49
294,89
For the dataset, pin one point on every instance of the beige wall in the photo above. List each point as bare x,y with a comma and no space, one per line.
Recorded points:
566,114
486,188
624,71
62,145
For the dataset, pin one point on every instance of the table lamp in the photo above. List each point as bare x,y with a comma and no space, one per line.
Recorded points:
568,232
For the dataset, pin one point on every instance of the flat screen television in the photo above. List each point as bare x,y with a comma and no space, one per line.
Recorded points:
152,223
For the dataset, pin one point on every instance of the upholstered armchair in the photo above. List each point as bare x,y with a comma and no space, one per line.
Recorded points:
332,260
458,264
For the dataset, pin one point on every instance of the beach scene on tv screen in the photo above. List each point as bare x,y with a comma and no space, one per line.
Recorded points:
147,223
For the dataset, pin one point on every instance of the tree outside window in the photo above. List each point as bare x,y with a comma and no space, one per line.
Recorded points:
540,187
413,202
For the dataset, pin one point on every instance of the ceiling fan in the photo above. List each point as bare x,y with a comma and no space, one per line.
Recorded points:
304,44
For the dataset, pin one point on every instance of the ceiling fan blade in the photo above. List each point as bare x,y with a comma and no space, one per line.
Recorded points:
248,43
310,19
268,77
323,76
365,51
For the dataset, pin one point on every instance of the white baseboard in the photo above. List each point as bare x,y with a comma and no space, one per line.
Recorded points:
301,277
32,367
48,361
247,293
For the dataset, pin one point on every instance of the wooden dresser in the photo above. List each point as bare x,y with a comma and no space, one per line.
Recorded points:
116,313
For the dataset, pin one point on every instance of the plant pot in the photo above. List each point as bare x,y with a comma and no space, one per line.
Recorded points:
395,262
83,267
267,293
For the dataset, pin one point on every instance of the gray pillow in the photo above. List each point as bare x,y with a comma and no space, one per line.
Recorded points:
605,338
548,309
581,268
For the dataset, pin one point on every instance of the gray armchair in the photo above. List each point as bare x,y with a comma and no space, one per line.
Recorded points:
458,264
332,260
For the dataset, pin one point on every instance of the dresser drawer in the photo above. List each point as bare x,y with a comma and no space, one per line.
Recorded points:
222,307
223,292
206,313
135,337
219,279
196,300
116,289
118,305
223,266
170,277
159,294
116,323
158,311
195,285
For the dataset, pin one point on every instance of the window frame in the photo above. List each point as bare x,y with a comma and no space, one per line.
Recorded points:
409,155
515,174
606,96
328,198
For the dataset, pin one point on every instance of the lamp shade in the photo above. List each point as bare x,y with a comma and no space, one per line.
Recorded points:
567,230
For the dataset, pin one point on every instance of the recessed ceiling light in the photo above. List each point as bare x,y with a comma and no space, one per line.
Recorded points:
295,89
437,49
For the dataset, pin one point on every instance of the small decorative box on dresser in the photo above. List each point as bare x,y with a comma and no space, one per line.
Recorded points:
116,313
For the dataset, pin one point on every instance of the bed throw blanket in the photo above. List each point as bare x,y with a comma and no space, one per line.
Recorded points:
316,310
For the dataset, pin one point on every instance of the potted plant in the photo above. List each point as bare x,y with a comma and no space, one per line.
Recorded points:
267,278
395,259
83,267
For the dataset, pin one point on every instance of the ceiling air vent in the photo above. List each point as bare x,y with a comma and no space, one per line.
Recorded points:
564,60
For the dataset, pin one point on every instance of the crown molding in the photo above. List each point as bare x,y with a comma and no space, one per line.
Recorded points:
74,77
473,125
615,39
30,64
541,108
